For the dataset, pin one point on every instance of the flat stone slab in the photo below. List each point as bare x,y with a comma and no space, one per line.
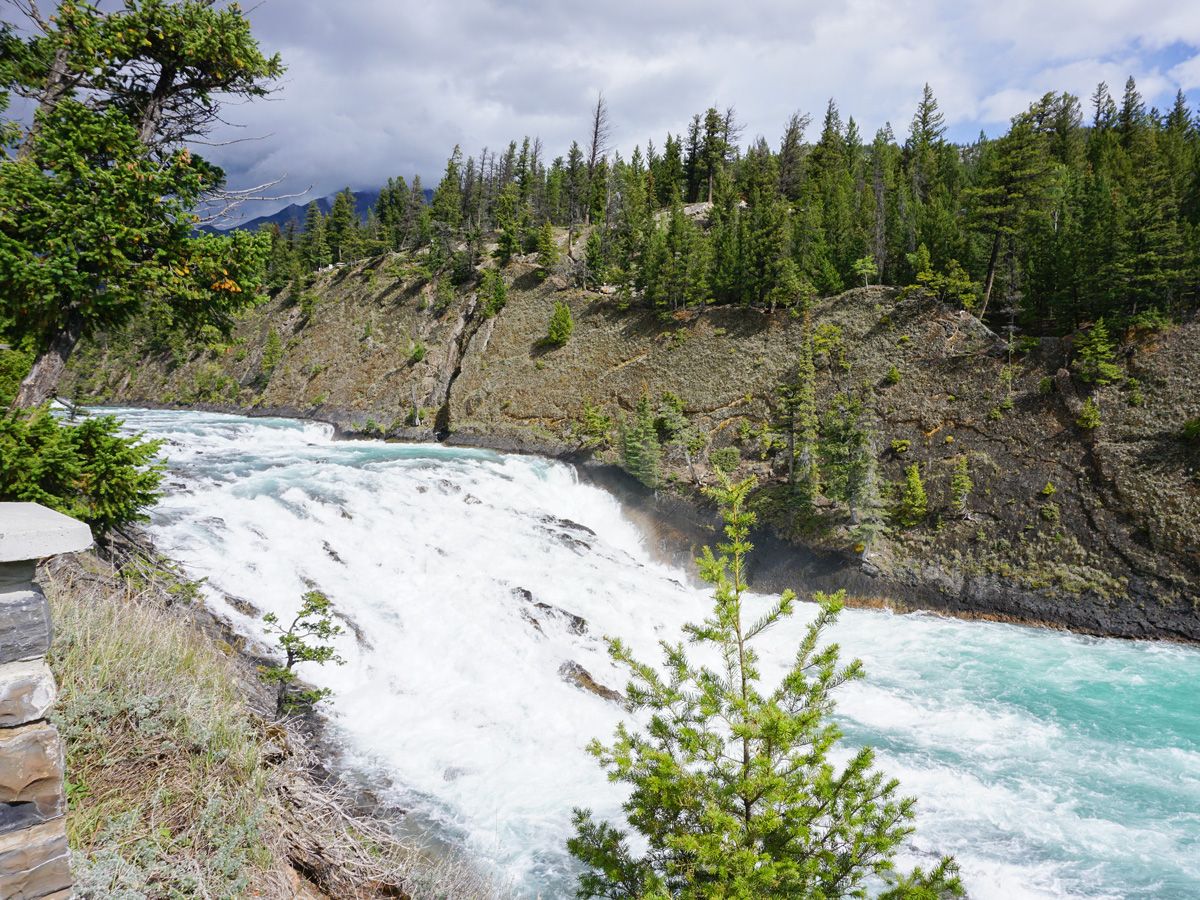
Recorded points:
24,624
27,692
35,864
31,776
31,531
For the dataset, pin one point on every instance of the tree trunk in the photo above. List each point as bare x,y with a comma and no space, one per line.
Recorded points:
991,275
55,89
42,381
153,113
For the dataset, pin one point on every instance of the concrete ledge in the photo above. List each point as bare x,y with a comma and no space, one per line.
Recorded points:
31,531
35,864
26,692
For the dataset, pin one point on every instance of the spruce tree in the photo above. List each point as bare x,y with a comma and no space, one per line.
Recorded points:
547,250
314,248
341,228
446,209
800,424
913,504
561,325
1094,356
641,452
508,223
733,789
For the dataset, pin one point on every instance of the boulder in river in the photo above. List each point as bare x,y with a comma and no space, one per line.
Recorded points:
573,673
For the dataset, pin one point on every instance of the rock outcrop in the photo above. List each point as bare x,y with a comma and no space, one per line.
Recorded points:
1097,531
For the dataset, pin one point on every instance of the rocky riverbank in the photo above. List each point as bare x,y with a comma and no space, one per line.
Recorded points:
1093,530
182,780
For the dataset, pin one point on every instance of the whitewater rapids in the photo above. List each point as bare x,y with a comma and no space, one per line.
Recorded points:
1051,765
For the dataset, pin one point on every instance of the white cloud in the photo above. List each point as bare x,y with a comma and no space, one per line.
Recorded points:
378,88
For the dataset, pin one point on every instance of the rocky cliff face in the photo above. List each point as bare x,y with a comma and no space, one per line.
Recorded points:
1095,530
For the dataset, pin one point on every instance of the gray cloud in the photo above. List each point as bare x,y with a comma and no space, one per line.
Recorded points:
377,88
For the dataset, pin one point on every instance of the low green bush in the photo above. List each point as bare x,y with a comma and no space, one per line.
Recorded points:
87,470
726,459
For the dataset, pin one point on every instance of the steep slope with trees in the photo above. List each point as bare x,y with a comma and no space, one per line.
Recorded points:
1003,425
1050,521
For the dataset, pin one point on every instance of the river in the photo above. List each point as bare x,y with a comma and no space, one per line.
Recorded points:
1049,764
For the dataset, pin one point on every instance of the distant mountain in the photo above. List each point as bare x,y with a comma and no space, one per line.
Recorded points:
363,201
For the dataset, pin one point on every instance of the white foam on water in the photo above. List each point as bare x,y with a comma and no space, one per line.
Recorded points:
1050,765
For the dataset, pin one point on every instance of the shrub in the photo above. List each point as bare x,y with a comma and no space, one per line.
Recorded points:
308,303
416,352
913,505
1046,386
1089,416
893,376
900,447
443,297
1150,320
493,292
1135,396
595,427
561,326
305,640
87,470
272,352
726,459
1191,430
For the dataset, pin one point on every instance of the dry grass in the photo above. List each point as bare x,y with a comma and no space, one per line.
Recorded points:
176,789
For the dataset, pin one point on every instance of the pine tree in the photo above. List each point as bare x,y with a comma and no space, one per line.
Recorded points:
913,505
508,241
547,250
446,210
925,139
1094,356
341,228
733,791
799,423
713,149
641,451
791,157
561,325
845,451
314,248
281,263
1015,177
493,292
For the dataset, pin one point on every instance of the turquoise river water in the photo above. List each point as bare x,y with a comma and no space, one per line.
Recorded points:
1049,764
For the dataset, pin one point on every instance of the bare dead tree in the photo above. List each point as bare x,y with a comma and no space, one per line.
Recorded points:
601,135
598,146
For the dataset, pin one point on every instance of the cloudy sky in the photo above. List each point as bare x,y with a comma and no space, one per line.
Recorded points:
377,88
